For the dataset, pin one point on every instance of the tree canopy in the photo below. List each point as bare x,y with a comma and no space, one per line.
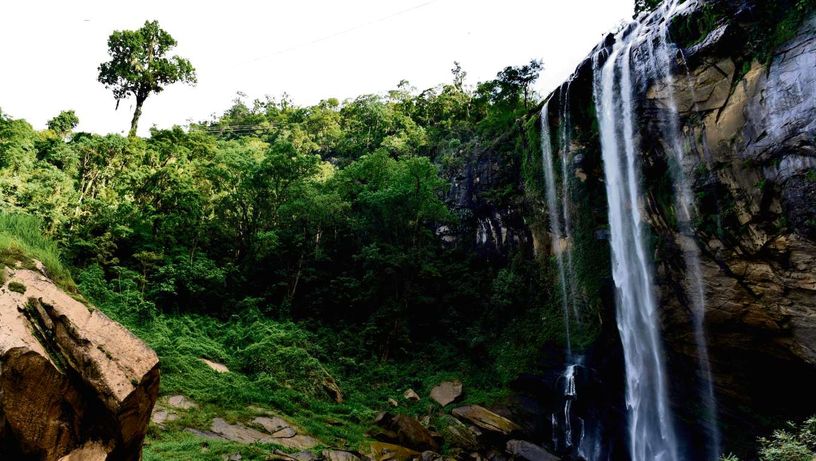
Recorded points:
139,65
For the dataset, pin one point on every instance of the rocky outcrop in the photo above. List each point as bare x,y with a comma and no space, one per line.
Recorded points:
73,383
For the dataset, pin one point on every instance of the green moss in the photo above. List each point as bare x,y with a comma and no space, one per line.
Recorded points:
691,29
17,287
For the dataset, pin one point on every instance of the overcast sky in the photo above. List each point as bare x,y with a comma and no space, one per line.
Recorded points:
310,49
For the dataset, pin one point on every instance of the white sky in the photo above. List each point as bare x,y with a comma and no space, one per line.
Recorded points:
310,49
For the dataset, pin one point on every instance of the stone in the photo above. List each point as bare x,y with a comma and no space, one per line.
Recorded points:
457,434
332,389
446,392
486,419
204,434
410,395
233,457
304,456
238,432
339,455
275,430
161,416
393,402
91,451
215,366
181,402
276,426
74,383
529,451
412,433
707,88
381,451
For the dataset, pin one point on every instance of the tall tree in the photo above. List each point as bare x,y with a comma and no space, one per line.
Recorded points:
139,66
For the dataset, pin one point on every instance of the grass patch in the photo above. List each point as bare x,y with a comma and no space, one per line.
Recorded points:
183,446
22,242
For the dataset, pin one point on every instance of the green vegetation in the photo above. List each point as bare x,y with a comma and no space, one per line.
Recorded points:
793,443
299,246
22,240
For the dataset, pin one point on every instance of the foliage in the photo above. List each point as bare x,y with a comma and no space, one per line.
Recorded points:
300,246
21,239
139,65
794,443
63,123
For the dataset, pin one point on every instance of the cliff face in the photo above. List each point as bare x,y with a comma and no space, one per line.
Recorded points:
73,383
747,118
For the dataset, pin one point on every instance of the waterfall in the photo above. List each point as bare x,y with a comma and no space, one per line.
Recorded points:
565,437
556,233
650,426
661,51
564,144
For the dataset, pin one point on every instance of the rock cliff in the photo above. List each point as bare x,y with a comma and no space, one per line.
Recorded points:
745,89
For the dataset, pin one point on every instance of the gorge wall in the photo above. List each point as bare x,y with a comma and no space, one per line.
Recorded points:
742,90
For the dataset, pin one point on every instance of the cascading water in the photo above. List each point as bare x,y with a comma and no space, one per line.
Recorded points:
564,144
661,52
556,233
650,423
567,436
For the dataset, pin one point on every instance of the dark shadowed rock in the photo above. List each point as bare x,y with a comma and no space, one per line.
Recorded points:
381,451
410,432
529,451
486,419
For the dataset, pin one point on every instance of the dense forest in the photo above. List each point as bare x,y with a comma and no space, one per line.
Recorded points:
299,245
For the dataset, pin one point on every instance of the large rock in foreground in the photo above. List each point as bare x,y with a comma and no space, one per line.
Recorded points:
72,381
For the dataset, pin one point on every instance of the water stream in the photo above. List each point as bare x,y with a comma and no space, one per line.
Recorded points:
651,431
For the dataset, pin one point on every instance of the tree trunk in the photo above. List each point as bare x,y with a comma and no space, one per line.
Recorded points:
134,124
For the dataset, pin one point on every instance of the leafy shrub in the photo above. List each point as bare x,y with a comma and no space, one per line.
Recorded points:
790,444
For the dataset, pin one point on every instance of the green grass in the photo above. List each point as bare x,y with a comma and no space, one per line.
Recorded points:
22,241
183,446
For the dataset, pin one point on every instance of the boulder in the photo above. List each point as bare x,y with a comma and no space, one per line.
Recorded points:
215,366
410,395
181,402
486,419
412,433
270,430
381,451
74,384
457,434
238,432
446,392
285,434
339,455
529,451
91,451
